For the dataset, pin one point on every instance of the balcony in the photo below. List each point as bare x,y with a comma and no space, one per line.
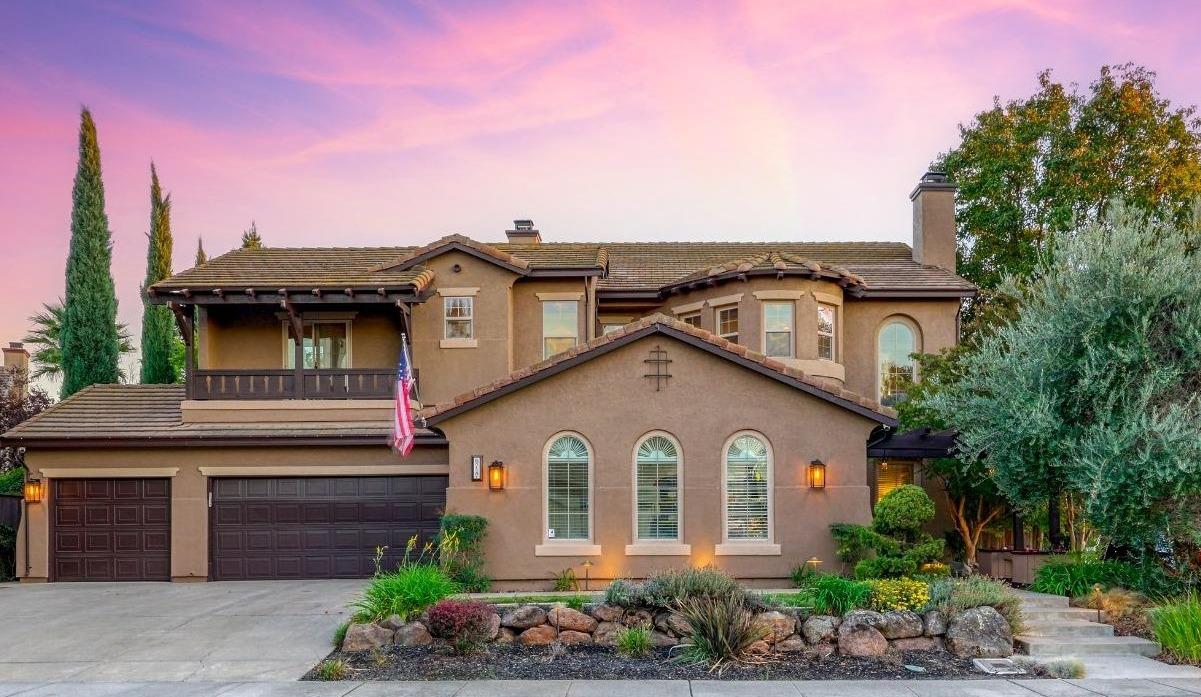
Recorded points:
335,383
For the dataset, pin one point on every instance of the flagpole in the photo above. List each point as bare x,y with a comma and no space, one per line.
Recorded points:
404,347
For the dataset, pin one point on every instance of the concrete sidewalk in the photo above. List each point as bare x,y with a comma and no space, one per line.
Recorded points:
1166,687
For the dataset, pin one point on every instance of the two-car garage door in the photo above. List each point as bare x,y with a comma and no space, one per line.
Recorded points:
259,527
319,527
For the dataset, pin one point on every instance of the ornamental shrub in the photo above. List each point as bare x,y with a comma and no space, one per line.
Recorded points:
405,592
834,595
899,594
1177,627
954,595
894,545
464,624
666,589
1075,575
634,642
722,631
463,558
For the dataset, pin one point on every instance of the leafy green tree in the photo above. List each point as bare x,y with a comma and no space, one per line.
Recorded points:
90,342
18,405
45,340
159,334
201,257
251,239
1031,171
1093,389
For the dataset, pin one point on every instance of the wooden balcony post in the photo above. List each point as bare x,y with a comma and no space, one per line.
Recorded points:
183,320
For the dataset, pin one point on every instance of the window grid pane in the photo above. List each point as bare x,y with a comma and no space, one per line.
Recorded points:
560,326
658,490
746,489
777,325
727,324
567,501
825,332
897,367
459,314
694,319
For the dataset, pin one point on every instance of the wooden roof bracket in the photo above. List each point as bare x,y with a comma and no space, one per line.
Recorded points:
294,318
183,319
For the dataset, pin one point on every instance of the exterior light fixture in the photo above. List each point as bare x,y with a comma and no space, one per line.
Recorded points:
35,491
496,476
817,475
587,570
813,563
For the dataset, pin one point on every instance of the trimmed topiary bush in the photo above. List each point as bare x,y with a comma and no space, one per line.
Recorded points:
894,545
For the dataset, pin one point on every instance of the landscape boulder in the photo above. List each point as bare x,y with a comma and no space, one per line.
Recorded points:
506,636
606,633
542,635
570,637
607,613
901,624
672,623
917,643
858,634
934,623
523,617
565,618
365,637
819,629
793,644
393,622
820,651
493,627
778,625
413,634
661,640
980,632
639,617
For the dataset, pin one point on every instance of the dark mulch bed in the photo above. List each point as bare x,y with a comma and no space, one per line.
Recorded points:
508,662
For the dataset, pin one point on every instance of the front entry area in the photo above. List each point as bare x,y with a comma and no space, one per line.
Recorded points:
111,530
318,527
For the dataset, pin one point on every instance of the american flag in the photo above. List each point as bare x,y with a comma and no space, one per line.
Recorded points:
402,423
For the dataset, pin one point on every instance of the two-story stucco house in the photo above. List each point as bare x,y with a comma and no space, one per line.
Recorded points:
632,405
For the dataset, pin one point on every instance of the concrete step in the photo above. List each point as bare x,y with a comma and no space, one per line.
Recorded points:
1066,629
1032,600
1052,614
1086,646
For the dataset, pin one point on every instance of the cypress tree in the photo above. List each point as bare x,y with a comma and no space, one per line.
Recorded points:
201,257
251,239
90,345
159,335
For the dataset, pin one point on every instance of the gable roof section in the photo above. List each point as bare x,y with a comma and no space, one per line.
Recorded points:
769,263
662,324
125,416
460,243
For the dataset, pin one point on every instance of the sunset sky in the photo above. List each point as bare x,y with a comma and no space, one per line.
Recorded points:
365,124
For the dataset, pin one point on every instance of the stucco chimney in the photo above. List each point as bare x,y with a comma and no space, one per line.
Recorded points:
16,357
934,221
523,232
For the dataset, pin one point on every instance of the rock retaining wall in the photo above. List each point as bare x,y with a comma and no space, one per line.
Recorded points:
980,632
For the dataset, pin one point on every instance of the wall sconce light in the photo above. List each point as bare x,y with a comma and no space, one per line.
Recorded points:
35,491
817,475
813,563
496,475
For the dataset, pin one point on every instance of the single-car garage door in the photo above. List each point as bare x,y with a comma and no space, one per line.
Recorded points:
111,530
319,527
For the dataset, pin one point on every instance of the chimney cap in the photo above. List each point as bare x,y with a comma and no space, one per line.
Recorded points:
15,346
933,180
523,225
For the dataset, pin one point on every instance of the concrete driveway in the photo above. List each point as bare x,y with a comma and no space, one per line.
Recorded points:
225,631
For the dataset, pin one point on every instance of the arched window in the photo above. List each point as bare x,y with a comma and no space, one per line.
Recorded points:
568,489
657,488
896,344
747,484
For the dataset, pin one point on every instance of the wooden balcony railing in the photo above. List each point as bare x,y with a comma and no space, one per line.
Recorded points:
337,383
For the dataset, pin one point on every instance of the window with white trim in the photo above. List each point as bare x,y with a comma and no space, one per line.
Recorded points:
560,326
693,319
825,331
777,329
459,315
727,323
747,473
568,492
657,485
897,368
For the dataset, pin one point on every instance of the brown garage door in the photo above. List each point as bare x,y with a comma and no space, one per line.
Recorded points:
319,527
111,530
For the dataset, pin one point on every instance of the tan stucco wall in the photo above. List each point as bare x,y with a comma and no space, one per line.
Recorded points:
706,401
863,319
189,487
527,315
242,337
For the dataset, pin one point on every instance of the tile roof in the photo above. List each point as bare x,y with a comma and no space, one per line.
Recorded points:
663,324
773,261
152,413
627,265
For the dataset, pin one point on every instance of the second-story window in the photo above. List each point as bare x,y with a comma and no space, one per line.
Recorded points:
693,319
326,346
460,317
727,323
560,326
825,332
777,329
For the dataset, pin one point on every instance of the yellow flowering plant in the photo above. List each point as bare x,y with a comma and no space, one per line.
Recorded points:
899,594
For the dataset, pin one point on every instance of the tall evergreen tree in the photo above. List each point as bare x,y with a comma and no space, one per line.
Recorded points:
201,257
90,345
159,335
251,239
